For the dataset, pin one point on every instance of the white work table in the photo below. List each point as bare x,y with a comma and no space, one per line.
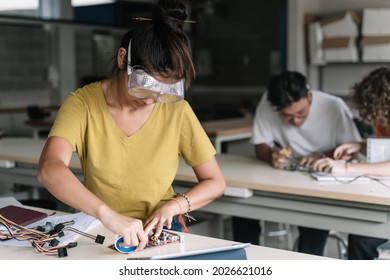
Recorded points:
226,130
87,249
361,207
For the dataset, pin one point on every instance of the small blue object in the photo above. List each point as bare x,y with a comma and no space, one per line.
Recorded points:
123,249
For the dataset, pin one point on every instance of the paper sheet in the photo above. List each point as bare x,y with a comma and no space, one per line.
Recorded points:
9,200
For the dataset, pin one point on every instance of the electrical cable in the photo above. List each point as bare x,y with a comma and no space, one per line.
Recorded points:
307,171
44,238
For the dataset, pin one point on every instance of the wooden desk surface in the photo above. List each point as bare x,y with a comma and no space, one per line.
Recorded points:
239,171
227,127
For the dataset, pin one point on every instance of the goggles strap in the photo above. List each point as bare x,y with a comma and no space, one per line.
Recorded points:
129,68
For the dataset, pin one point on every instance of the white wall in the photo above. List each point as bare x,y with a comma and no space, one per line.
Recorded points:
296,9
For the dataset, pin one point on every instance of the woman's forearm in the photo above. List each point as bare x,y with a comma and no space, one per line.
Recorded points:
378,169
59,180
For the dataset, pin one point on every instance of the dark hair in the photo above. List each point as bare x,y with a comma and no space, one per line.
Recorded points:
161,45
372,96
287,88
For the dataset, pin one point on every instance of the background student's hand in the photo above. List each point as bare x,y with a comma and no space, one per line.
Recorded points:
279,158
161,217
346,151
329,165
130,229
310,159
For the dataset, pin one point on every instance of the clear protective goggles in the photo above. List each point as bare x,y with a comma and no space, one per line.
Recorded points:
144,86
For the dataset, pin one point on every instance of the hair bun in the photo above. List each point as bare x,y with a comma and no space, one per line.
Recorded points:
172,13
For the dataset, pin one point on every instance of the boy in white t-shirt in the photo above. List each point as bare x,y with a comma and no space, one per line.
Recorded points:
310,124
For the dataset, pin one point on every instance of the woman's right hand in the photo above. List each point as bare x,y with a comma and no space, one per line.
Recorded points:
329,165
130,229
346,151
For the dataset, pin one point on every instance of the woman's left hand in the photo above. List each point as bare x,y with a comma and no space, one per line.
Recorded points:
161,217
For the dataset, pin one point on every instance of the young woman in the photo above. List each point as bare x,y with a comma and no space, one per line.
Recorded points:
129,132
372,98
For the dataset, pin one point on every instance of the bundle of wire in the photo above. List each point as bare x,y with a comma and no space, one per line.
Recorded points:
44,238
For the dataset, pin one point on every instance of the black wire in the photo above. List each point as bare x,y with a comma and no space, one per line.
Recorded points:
379,181
346,181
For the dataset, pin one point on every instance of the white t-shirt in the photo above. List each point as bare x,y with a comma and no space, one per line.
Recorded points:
328,124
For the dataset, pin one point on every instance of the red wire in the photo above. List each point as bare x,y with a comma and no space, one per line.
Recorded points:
183,224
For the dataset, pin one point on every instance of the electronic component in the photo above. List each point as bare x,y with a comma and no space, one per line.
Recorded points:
62,252
54,242
46,227
72,244
294,163
99,239
166,237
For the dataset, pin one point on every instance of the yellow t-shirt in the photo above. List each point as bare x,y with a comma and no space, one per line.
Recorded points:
131,174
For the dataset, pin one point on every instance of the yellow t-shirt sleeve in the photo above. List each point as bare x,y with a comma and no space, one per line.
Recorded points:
195,146
71,121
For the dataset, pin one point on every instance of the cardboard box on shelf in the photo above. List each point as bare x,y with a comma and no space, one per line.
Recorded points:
340,49
375,48
375,41
376,22
315,39
340,33
334,38
345,24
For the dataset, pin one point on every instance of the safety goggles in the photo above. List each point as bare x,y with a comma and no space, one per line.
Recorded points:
144,86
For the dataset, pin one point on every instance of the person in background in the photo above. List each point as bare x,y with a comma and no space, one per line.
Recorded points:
307,124
372,99
129,132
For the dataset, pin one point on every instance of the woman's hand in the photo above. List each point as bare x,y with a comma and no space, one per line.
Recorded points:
130,229
330,165
161,217
346,151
